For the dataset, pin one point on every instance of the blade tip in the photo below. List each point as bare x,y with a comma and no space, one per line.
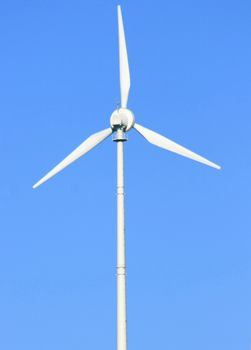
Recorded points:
37,184
119,10
216,166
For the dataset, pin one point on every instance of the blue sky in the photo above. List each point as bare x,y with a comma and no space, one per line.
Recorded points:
187,226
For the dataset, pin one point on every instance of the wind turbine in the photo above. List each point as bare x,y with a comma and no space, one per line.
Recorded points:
121,121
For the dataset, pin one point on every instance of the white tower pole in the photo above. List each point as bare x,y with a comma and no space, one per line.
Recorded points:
121,267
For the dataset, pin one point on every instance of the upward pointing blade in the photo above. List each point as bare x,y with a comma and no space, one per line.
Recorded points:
85,147
123,63
164,142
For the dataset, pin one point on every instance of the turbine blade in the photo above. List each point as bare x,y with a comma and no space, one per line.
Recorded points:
85,147
163,142
123,62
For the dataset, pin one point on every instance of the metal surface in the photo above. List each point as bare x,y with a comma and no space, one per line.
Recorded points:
121,266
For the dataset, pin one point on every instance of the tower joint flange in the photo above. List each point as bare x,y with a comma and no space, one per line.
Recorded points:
119,135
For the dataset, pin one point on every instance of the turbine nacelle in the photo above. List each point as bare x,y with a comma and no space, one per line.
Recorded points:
122,118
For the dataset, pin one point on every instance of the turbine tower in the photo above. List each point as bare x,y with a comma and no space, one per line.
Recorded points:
121,121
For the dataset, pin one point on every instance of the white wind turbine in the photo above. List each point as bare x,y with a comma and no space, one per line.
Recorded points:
121,121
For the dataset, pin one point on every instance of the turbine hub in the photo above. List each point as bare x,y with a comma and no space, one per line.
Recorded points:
123,119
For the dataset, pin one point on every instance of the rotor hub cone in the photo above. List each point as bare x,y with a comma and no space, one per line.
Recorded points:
122,118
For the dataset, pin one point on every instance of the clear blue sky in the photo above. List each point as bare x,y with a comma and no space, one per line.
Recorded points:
188,226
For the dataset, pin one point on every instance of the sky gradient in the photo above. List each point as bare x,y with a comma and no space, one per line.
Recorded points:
187,225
